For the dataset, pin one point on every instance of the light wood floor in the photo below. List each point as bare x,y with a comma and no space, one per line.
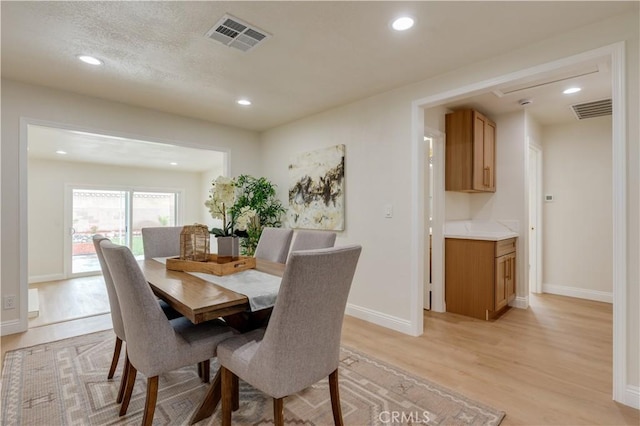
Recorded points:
70,299
547,365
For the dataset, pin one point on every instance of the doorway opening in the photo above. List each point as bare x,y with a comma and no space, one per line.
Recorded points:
429,209
434,219
615,53
81,183
535,218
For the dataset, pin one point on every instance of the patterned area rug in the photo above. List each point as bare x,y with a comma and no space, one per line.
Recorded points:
65,383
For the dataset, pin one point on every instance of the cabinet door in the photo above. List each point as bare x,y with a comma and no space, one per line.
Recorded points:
502,272
511,277
484,142
479,170
459,151
489,158
469,271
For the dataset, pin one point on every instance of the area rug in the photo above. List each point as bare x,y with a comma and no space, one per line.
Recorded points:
65,383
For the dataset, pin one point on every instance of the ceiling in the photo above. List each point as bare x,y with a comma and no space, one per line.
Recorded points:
46,142
542,96
320,54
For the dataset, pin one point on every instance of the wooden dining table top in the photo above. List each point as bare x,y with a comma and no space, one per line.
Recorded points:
195,298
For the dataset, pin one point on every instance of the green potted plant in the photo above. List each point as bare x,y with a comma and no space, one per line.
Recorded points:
255,195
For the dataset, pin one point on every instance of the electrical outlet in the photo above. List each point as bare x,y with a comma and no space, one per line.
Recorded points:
9,302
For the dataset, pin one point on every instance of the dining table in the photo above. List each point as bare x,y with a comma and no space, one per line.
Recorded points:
200,300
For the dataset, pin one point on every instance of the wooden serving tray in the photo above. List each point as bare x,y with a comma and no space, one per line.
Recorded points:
213,266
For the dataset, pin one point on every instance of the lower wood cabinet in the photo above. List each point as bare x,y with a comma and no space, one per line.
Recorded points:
480,276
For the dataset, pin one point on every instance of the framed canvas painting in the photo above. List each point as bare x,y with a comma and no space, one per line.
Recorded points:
316,189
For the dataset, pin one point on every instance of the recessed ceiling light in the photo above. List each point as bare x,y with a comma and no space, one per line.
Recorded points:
61,152
403,23
572,90
245,102
173,163
90,60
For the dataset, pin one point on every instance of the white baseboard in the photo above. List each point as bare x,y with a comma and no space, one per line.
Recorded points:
33,303
632,397
11,327
44,278
581,293
379,318
520,302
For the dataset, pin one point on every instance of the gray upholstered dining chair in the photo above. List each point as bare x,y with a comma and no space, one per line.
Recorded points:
155,344
301,344
164,241
161,241
116,320
312,240
273,244
116,316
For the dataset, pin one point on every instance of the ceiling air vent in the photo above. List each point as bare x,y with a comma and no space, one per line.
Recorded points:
592,109
236,33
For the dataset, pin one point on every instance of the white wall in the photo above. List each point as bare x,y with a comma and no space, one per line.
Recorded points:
99,116
378,136
371,130
533,130
46,188
577,239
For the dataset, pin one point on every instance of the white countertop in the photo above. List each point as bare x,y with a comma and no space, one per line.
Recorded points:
481,230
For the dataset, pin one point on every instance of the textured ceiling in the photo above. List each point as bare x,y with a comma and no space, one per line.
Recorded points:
321,54
44,142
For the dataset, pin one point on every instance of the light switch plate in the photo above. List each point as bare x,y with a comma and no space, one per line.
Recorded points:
388,211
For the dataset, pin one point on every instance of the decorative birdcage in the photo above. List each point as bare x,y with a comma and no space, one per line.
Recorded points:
194,243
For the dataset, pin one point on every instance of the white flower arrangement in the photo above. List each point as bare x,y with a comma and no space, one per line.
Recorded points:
245,218
222,197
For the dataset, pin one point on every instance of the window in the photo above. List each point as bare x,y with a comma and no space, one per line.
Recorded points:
119,215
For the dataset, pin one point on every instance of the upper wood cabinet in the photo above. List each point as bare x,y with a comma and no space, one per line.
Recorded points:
470,152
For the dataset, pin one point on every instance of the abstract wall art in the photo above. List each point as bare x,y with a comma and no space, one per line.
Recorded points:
316,189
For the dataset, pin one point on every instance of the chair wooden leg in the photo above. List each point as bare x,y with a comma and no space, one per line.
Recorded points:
123,380
116,357
227,396
150,402
278,411
206,366
236,393
210,401
335,398
131,379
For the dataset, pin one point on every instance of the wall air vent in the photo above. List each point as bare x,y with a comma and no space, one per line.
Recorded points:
592,109
236,33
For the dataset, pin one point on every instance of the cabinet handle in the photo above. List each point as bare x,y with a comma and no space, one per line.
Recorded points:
504,269
486,177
